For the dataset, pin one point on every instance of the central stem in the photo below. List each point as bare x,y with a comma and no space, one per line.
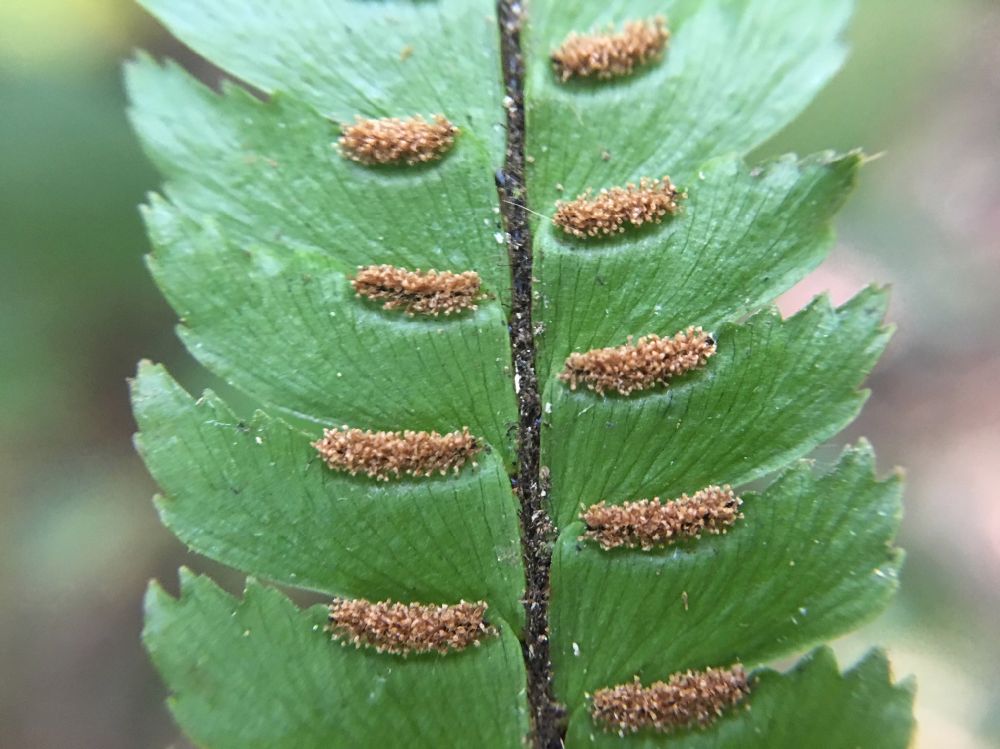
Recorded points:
536,528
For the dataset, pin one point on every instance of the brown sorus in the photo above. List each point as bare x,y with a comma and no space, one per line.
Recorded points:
391,140
384,455
649,362
647,523
614,209
691,698
612,54
428,293
405,628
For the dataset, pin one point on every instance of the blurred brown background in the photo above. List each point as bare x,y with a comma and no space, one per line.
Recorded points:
79,537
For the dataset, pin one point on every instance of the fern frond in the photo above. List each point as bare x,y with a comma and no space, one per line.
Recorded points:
437,243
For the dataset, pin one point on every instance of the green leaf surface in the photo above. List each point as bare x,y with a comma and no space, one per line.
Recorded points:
388,58
270,173
813,705
734,73
258,673
293,333
253,494
743,236
258,193
774,391
260,226
812,558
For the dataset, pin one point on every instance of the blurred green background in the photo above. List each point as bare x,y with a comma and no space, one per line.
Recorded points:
79,538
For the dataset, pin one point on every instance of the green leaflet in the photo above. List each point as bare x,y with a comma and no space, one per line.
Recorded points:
254,494
261,225
811,560
735,72
293,333
861,709
743,236
267,194
388,58
259,673
774,391
270,173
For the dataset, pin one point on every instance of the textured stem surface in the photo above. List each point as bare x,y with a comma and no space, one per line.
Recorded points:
536,528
